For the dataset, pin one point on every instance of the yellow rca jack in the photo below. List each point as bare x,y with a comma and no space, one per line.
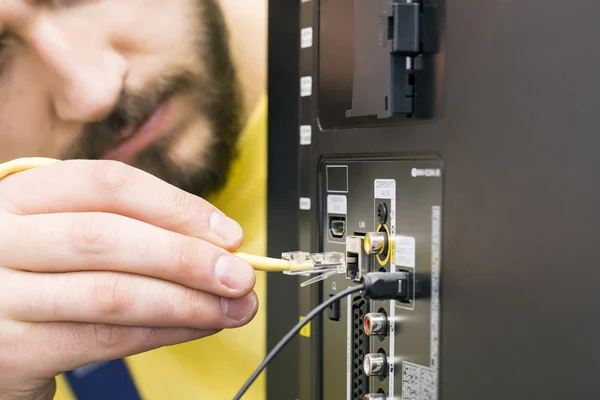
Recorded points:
378,244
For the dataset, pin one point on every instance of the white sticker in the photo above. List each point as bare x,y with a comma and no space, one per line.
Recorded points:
306,86
304,1
385,188
304,203
305,135
418,382
306,38
337,204
405,251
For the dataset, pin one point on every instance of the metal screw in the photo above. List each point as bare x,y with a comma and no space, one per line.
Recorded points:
382,213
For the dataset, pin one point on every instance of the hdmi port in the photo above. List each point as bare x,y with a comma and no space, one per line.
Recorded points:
337,227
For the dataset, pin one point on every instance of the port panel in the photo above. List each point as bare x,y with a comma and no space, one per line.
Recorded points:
402,199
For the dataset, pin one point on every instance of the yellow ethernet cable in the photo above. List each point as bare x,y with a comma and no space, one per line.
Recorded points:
259,263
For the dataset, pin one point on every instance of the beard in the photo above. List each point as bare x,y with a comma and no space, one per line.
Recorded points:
216,98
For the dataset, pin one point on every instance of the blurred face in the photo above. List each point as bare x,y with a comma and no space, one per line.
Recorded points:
147,82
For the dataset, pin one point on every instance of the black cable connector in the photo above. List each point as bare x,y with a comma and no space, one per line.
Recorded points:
375,285
387,285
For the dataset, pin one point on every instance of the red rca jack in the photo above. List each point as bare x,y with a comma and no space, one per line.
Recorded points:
376,324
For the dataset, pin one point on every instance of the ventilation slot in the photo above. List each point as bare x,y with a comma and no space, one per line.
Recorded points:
360,347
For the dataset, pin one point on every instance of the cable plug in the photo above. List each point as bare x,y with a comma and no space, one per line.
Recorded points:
387,285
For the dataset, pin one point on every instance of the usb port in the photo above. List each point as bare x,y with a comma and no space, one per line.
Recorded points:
337,227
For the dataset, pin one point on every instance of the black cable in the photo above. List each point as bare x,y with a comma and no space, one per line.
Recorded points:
376,285
287,338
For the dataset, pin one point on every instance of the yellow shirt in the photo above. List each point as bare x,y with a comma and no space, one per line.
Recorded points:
215,368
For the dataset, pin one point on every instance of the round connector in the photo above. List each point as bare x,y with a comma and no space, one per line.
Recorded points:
374,396
374,364
375,324
375,242
384,256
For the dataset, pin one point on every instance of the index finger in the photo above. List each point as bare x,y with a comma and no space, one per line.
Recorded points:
114,187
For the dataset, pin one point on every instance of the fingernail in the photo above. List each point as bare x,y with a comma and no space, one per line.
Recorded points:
239,309
233,272
225,227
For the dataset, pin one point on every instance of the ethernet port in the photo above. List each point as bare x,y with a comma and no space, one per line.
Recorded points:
357,261
337,227
352,266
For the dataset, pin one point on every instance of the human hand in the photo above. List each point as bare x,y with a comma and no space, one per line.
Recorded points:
101,261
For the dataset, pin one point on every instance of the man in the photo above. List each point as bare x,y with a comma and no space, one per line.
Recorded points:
101,260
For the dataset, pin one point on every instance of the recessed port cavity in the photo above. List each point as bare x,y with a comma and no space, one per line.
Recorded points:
337,227
376,324
352,270
357,261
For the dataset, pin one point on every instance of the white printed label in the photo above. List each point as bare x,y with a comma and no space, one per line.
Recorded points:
304,203
385,188
306,38
429,172
405,251
305,135
337,204
418,382
305,86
